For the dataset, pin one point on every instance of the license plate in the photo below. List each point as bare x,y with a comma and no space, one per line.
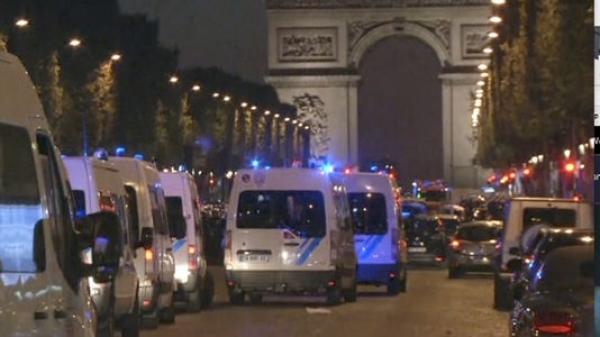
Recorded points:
254,258
417,249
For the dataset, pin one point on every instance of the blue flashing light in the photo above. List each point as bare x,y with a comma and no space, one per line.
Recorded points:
267,167
374,168
255,163
182,168
120,151
80,214
328,168
406,214
139,156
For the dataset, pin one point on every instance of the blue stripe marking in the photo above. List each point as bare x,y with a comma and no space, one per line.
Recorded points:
308,251
178,244
304,243
371,247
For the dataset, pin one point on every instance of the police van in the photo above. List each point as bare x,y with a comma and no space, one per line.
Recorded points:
289,230
154,261
44,288
195,284
379,241
97,186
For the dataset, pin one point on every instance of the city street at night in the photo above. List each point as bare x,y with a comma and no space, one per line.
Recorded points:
434,306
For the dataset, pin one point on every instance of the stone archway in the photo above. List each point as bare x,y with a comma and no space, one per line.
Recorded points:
316,49
400,107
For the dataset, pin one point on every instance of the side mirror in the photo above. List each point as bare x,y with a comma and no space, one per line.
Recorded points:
147,239
39,246
514,251
515,265
106,246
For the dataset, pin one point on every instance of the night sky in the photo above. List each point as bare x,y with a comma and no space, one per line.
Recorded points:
229,34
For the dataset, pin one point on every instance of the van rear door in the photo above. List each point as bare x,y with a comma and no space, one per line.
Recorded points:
372,242
278,230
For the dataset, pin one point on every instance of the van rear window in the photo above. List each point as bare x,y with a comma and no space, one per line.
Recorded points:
369,213
301,212
553,217
79,197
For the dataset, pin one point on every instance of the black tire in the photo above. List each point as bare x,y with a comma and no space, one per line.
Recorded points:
393,287
351,295
150,321
237,298
130,324
255,298
404,281
208,291
503,298
194,303
167,315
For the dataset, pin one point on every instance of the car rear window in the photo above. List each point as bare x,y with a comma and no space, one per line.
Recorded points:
369,213
478,233
301,212
554,242
553,217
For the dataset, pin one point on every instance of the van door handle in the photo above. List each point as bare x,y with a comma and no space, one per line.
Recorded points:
293,244
60,314
40,315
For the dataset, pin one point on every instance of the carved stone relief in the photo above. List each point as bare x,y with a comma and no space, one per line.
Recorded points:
473,39
358,29
318,4
311,110
307,44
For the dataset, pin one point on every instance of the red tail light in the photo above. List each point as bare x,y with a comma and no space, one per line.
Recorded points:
193,264
228,238
455,244
554,323
287,235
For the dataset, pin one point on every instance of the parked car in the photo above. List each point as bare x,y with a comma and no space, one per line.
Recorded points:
472,247
559,301
426,239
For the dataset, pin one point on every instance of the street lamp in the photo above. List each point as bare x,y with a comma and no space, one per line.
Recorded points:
253,107
75,42
493,35
215,94
22,23
484,74
276,115
267,112
487,50
173,79
196,87
480,83
498,2
115,57
226,98
495,19
482,66
244,104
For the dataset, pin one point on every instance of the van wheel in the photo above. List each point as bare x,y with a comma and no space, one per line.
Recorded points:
130,326
350,295
194,303
167,315
237,298
394,287
404,281
503,299
150,321
208,291
334,295
256,298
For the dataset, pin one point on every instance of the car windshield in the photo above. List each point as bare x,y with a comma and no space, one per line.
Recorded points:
301,212
478,233
423,227
368,213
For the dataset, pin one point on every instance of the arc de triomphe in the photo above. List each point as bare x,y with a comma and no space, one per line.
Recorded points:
316,48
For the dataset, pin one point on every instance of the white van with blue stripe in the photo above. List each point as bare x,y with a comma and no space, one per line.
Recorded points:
380,243
194,283
289,230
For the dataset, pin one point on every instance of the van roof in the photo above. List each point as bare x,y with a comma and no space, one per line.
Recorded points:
541,199
366,182
281,178
92,160
18,95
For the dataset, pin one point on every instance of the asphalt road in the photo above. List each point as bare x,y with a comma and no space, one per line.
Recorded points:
434,306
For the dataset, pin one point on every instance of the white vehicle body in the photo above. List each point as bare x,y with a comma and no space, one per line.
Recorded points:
39,242
379,241
97,186
155,266
289,230
522,213
193,282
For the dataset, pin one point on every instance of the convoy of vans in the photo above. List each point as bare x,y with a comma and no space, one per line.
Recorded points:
41,240
97,186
